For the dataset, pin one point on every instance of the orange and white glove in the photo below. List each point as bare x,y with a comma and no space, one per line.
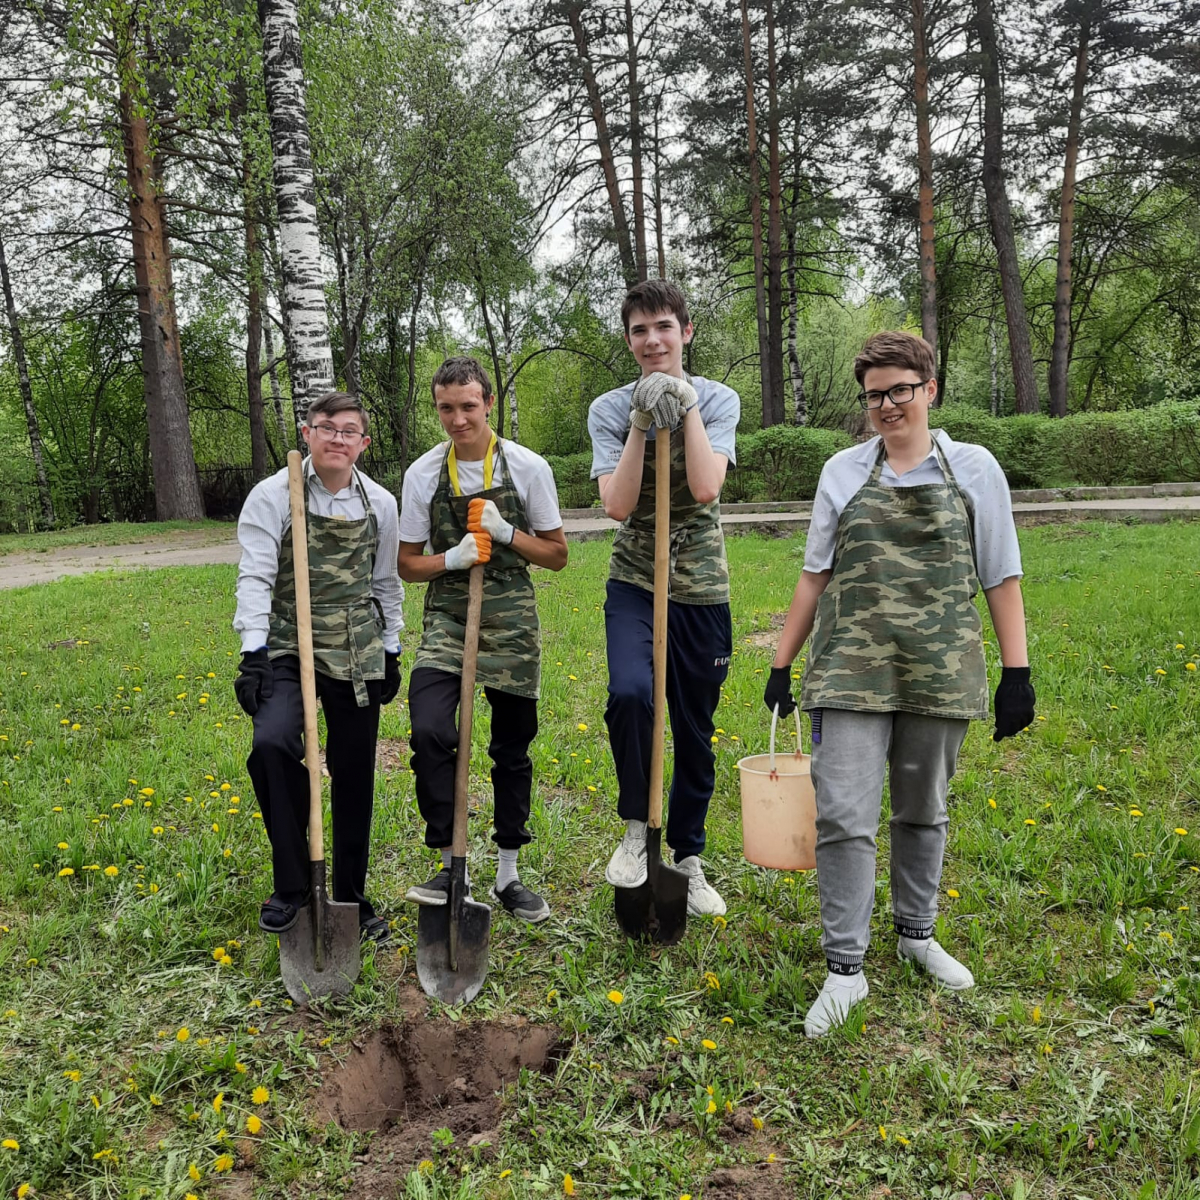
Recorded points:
475,549
484,515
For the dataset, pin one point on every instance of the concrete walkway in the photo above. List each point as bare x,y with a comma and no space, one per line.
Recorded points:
1166,502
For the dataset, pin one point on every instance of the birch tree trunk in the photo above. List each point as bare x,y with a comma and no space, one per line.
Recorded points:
172,461
756,230
604,144
928,258
995,188
799,398
31,421
273,375
1060,349
306,323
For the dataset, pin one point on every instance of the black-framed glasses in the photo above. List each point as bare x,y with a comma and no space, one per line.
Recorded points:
902,393
327,433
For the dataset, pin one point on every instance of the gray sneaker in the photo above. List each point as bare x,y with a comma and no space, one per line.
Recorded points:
521,902
435,891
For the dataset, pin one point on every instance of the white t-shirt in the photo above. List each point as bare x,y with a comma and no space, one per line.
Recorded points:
997,552
528,472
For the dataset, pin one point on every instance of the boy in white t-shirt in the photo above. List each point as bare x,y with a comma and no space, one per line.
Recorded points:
515,491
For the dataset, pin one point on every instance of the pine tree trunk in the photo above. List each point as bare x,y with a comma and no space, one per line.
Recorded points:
1000,221
635,147
774,228
928,255
310,358
604,144
254,328
1060,350
172,461
756,230
45,499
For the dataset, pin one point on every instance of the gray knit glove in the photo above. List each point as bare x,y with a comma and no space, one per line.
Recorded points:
661,397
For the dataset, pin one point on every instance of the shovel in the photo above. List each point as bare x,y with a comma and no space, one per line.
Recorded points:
657,909
320,955
453,939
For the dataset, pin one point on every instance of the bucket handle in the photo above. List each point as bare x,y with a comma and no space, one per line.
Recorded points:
799,735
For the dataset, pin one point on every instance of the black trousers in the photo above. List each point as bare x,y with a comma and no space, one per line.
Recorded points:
699,646
280,780
433,709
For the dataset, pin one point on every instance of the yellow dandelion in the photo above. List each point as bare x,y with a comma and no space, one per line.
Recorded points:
616,997
223,1163
953,893
260,1095
1181,831
156,1099
552,995
711,982
771,1158
902,1139
65,872
253,1124
1159,671
568,1186
991,802
1135,812
23,1191
719,921
111,871
1047,1049
73,1076
183,1034
883,1132
1189,666
64,845
671,1041
10,1144
726,1020
709,1044
712,1107
1030,821
757,1122
193,1172
240,1068
1037,1014
505,1173
218,1101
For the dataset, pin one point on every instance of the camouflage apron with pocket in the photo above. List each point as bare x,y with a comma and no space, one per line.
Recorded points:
897,629
699,573
347,621
510,640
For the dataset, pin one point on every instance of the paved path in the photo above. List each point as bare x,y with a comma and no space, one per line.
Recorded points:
581,525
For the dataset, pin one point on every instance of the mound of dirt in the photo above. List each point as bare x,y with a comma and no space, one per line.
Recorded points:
406,1081
764,1181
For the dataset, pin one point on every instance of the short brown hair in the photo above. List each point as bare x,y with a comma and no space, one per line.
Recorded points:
461,369
895,348
655,296
336,402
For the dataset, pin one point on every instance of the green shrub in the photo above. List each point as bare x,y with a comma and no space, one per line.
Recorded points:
789,458
572,474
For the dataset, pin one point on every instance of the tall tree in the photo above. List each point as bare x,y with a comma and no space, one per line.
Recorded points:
1000,218
774,227
31,419
307,323
928,255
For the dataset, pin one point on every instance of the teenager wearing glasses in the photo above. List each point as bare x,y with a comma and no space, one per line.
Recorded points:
353,537
906,528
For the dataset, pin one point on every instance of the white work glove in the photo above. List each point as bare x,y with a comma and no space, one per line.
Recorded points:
490,521
662,398
474,548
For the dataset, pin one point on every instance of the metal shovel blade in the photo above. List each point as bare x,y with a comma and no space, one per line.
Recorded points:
452,943
342,958
657,909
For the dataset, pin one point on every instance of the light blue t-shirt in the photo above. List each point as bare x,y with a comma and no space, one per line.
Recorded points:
979,476
608,422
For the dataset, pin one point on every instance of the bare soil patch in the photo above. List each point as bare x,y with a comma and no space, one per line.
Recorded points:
766,639
408,1080
762,1181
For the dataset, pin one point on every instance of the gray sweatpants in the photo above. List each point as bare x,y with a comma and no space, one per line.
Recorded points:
847,770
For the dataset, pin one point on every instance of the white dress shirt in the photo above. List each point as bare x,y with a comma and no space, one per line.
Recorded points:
266,519
997,552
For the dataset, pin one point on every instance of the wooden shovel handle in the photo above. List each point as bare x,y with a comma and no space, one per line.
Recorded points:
662,583
466,710
308,678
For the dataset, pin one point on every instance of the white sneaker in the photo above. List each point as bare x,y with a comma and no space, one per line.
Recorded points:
942,965
627,867
703,898
837,996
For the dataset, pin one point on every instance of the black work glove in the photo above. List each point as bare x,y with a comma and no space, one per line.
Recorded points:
255,680
391,676
779,691
1014,702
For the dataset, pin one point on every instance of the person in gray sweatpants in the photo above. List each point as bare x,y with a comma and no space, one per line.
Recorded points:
905,530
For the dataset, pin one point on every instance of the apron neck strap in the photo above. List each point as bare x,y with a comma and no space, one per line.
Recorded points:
488,467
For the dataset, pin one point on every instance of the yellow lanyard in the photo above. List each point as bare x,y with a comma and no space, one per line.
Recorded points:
452,467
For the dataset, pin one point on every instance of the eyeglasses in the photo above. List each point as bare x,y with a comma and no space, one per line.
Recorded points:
902,393
328,433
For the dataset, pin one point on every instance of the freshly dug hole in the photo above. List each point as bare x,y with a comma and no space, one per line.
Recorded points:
407,1080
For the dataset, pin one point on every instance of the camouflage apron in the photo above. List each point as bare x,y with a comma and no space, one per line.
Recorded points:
510,640
699,572
897,629
346,619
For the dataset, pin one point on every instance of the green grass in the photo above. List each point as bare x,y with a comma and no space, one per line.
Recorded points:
119,533
1069,1070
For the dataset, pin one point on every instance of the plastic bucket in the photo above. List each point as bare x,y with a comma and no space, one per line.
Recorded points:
779,807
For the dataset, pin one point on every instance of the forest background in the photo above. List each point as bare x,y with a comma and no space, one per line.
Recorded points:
1016,179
